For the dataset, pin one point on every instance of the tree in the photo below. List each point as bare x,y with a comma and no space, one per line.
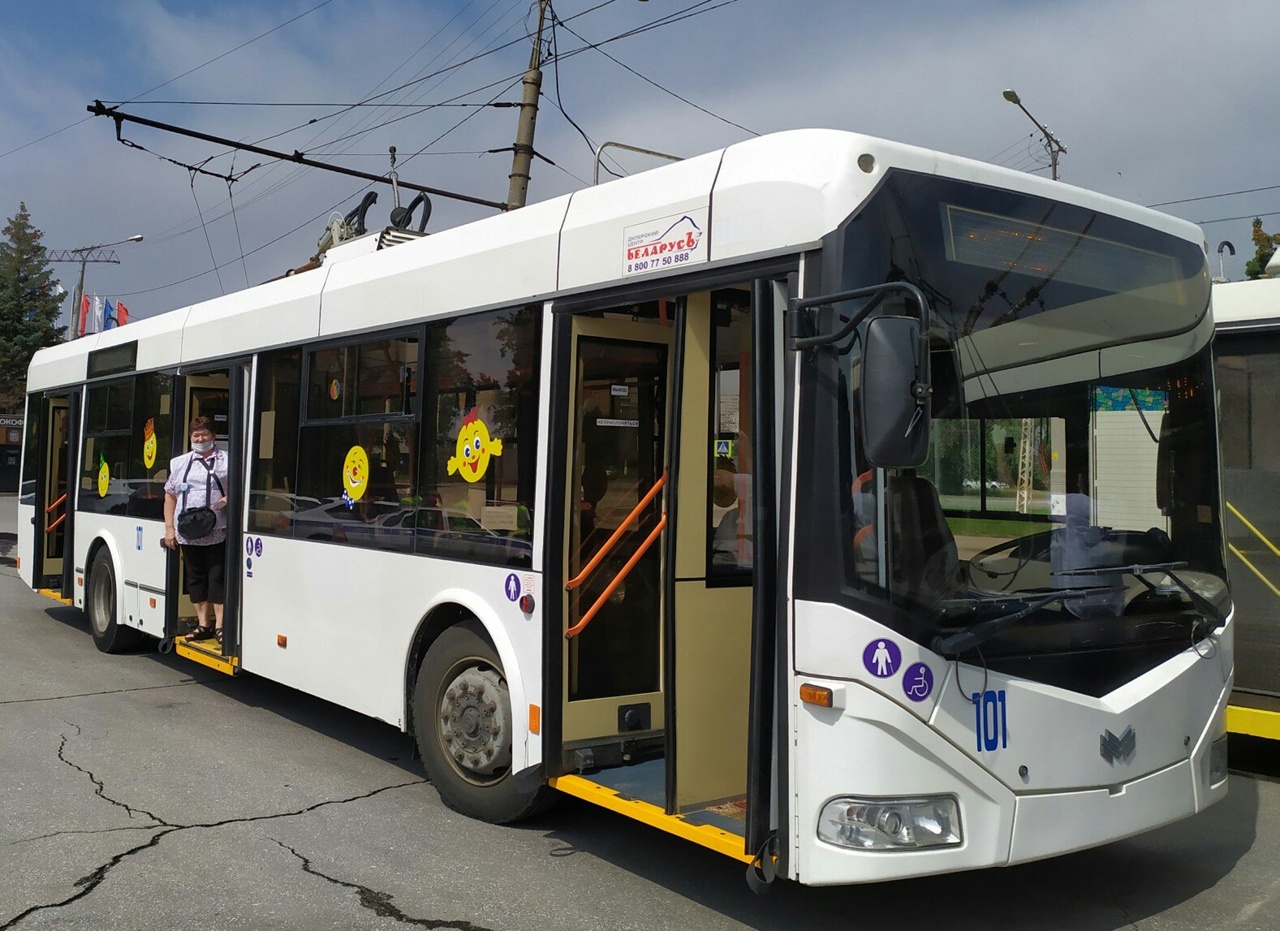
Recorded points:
1266,243
28,306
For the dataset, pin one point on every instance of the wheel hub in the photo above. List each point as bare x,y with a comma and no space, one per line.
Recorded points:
475,713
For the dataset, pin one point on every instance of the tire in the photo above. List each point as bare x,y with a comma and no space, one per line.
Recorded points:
101,602
462,723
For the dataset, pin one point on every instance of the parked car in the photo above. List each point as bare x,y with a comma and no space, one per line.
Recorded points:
274,511
453,534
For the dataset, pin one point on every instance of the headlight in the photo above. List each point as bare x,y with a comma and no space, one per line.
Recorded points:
891,823
1218,760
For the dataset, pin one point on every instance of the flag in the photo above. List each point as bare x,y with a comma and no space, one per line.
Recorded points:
122,313
108,316
84,313
96,324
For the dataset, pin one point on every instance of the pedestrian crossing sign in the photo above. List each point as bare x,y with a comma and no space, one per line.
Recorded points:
724,448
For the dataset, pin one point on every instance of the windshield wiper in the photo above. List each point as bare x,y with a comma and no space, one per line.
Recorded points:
957,643
1204,605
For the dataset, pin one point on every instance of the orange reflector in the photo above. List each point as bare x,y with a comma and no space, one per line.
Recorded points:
282,641
17,563
80,581
816,695
152,601
535,719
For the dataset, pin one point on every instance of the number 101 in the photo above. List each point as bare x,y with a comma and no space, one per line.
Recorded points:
990,720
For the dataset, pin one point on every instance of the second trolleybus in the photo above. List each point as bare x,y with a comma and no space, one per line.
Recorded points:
1247,357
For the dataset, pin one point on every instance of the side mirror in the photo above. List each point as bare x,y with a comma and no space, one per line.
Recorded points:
894,401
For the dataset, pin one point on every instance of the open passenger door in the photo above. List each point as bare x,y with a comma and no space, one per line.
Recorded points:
665,685
222,396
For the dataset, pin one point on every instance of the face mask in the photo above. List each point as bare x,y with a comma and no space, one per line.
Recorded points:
202,447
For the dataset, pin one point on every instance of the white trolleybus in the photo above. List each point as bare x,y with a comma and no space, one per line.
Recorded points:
848,508
1247,356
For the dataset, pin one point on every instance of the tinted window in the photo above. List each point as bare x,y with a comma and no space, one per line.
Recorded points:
151,443
364,473
732,370
274,455
480,420
104,470
378,377
30,451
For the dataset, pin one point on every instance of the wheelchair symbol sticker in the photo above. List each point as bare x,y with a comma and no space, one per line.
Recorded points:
917,682
882,658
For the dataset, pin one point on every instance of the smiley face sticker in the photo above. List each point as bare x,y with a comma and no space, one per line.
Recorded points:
149,444
355,474
104,476
475,448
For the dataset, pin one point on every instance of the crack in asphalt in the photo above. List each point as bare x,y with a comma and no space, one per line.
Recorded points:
86,884
380,902
141,688
100,787
90,881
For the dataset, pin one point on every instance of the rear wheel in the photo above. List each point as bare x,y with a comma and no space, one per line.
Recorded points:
463,726
101,605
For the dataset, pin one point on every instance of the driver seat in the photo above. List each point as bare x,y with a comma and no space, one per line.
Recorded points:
924,562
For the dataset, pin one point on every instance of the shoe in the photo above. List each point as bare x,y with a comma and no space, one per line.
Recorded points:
200,633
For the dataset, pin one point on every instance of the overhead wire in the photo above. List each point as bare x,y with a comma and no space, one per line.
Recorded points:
1017,142
236,221
322,213
212,257
297,172
1191,200
665,90
695,9
555,66
263,35
1245,216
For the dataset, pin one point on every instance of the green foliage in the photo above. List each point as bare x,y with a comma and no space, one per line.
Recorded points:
1266,244
28,306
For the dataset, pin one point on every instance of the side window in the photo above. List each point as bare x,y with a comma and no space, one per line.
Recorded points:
480,423
358,445
30,450
150,444
273,483
378,377
732,370
104,470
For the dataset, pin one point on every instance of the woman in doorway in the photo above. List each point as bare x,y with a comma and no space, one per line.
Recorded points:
197,483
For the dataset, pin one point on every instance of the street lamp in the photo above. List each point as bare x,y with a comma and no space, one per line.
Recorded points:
1051,144
86,253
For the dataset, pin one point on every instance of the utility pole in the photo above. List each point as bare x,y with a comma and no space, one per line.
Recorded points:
522,160
85,255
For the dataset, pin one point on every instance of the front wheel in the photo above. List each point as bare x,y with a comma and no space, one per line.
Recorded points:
108,634
463,726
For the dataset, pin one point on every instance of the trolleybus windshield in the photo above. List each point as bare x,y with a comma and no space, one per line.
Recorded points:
1069,506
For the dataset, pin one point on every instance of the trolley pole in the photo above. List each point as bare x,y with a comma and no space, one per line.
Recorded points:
522,160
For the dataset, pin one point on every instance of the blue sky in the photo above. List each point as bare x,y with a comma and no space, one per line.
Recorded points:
1155,100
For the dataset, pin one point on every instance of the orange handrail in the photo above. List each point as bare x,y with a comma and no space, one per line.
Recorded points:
49,509
55,523
613,586
617,535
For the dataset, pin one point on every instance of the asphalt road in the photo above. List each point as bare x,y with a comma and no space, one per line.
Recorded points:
142,791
